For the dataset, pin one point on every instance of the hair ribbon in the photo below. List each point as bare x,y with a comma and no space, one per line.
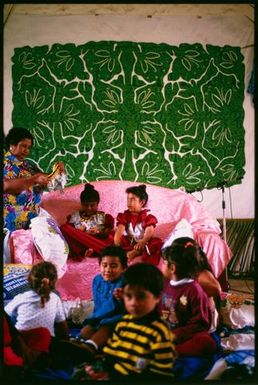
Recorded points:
188,244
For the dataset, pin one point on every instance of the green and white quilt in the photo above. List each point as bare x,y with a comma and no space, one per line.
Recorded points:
154,113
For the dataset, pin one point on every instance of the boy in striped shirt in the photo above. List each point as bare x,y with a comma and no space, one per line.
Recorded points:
142,343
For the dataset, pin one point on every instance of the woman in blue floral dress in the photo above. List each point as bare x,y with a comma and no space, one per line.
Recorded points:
22,182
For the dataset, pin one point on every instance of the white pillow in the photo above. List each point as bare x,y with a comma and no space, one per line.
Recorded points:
49,241
183,229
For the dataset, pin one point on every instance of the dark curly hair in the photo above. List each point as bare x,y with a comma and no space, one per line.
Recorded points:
16,135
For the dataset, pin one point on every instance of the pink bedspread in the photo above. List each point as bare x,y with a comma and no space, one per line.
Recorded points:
169,206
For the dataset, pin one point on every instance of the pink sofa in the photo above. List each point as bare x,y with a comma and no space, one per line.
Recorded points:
169,206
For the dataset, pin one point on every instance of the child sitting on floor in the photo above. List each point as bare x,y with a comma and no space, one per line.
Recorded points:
141,345
135,228
38,313
108,306
88,230
185,305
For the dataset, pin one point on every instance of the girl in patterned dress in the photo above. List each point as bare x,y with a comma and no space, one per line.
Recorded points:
88,230
23,183
135,228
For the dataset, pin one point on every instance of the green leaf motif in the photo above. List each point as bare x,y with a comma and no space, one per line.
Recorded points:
155,113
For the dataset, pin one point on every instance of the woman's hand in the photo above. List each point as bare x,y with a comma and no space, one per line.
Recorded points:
17,185
40,179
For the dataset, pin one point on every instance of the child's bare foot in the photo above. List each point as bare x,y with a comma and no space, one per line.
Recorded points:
88,253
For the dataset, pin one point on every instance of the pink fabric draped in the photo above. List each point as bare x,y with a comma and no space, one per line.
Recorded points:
167,205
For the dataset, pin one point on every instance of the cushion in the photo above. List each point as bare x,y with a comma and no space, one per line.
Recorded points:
237,311
22,248
182,229
49,241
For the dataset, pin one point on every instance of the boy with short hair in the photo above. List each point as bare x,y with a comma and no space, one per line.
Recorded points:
108,307
142,343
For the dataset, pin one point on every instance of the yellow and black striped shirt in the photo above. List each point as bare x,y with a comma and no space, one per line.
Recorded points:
141,345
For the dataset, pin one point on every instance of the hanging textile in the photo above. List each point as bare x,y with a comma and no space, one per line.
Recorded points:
155,113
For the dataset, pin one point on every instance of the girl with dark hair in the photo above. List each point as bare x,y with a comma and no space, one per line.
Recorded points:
185,304
23,182
135,228
88,230
38,312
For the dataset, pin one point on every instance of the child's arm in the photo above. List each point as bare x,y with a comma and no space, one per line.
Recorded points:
148,234
118,234
209,283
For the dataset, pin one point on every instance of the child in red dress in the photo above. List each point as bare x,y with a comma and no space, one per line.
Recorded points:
135,228
185,305
88,230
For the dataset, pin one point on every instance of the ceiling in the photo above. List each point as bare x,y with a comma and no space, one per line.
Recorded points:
149,10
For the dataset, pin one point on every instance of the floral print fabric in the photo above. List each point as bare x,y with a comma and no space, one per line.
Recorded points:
21,208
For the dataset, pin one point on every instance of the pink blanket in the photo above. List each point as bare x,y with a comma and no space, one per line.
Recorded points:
169,206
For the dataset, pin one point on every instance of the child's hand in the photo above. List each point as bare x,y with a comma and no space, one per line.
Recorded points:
132,254
118,293
93,231
139,245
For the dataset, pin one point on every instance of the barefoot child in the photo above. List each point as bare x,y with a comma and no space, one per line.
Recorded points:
88,230
135,228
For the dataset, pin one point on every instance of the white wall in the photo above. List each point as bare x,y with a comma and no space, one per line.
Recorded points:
171,24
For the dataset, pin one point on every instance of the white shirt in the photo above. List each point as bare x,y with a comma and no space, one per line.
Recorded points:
29,315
